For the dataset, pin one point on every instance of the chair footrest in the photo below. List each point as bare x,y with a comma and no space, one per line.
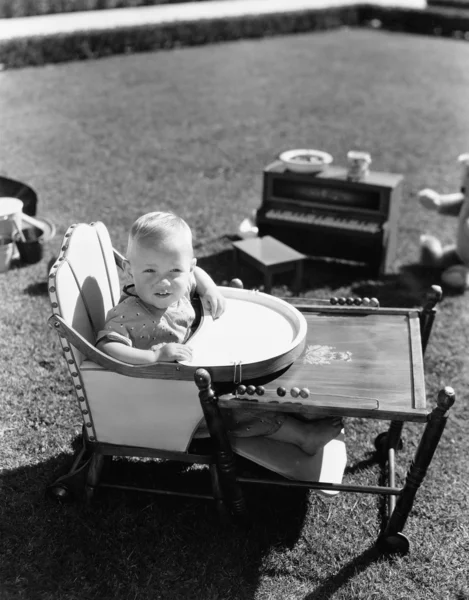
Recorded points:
327,465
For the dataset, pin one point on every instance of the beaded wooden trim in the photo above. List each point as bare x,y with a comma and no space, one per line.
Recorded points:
72,365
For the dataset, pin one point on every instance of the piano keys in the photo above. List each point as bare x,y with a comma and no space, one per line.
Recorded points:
327,216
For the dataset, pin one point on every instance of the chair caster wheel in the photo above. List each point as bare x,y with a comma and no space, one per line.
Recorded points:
397,543
381,444
61,493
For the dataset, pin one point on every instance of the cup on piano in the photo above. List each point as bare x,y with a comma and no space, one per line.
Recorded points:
358,165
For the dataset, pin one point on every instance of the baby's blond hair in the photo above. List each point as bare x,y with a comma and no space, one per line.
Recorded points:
155,227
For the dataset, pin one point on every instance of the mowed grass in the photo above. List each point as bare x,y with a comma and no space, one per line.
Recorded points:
190,131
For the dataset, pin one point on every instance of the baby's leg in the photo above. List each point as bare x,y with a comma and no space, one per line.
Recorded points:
310,436
432,253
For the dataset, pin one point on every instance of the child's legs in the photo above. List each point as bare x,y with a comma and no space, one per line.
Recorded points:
309,436
433,254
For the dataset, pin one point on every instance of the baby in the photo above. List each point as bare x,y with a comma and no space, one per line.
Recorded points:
153,319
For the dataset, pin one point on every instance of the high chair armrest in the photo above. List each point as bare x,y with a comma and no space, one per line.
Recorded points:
162,370
119,258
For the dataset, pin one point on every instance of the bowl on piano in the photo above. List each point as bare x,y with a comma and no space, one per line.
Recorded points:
305,160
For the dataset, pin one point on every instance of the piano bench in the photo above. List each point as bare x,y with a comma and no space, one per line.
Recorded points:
269,256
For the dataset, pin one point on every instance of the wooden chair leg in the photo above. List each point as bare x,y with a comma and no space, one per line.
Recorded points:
217,491
389,440
386,444
225,455
392,539
70,486
94,474
427,315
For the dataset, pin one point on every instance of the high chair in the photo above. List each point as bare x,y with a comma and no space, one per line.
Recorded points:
355,360
148,411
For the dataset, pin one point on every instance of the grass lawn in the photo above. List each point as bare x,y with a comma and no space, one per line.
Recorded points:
190,130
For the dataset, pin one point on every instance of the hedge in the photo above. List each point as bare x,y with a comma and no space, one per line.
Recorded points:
26,8
95,44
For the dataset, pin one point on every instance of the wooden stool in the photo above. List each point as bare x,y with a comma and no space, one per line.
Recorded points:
270,256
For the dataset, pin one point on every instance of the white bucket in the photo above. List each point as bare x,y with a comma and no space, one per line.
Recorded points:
11,210
6,253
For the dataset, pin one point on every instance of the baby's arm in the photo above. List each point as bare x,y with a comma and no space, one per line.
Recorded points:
211,297
127,354
159,353
444,204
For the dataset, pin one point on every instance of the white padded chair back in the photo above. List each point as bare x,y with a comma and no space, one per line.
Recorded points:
129,411
84,282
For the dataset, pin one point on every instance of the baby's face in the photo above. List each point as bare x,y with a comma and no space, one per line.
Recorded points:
161,273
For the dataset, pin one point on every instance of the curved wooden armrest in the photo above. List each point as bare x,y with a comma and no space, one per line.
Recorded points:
162,370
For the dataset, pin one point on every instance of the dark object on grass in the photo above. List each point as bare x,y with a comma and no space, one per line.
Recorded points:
31,249
10,188
35,235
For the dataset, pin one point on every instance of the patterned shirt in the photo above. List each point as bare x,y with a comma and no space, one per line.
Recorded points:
139,325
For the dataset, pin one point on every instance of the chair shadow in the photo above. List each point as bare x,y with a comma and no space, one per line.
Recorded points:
373,459
160,545
329,587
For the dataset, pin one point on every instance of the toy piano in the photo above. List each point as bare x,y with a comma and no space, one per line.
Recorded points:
327,215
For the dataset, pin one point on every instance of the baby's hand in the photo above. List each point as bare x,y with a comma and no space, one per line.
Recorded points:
172,352
214,301
430,199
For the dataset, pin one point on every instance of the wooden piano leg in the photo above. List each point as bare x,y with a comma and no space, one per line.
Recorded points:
235,259
224,453
267,281
298,277
392,539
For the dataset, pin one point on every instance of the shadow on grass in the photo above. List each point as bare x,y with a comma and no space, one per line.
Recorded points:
373,459
330,586
37,289
403,289
317,274
129,544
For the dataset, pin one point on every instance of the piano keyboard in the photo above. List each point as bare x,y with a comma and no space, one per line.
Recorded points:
322,220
